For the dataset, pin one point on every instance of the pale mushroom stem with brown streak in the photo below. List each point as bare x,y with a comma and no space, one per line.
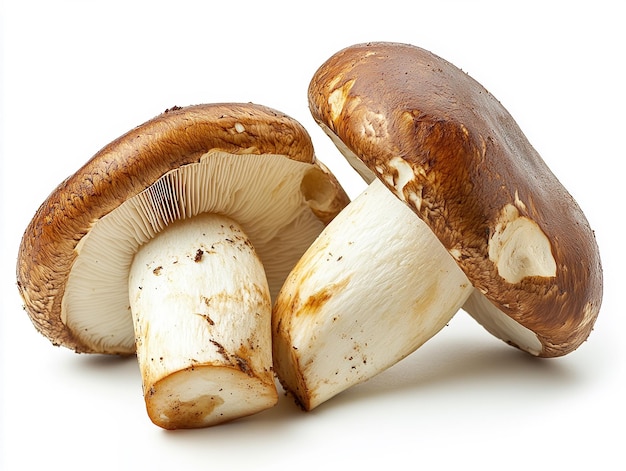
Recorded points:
201,306
373,287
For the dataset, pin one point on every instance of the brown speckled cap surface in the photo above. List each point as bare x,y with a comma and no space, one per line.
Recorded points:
397,106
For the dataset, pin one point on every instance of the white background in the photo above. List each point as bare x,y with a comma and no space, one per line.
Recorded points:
77,74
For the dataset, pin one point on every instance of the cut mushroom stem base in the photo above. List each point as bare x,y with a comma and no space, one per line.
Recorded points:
373,287
201,312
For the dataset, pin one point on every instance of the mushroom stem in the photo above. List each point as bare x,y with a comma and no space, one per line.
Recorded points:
201,312
373,287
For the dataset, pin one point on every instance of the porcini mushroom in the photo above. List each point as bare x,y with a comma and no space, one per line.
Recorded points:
170,243
429,138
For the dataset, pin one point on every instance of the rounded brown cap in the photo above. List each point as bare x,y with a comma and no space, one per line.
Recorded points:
133,163
451,151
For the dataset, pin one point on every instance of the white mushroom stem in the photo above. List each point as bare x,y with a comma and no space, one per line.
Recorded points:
373,287
201,311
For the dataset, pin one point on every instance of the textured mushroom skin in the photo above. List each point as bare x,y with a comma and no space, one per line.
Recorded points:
127,166
396,106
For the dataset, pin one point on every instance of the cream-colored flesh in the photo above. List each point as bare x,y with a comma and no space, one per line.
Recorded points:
201,312
372,288
519,248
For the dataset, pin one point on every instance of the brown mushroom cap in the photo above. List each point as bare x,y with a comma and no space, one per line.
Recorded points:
128,166
474,177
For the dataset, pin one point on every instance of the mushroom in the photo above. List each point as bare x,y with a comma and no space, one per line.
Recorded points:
171,243
461,211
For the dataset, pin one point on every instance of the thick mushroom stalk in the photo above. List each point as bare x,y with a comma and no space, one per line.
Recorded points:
201,310
372,288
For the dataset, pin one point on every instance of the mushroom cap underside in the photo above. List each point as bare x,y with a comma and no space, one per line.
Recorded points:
131,165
